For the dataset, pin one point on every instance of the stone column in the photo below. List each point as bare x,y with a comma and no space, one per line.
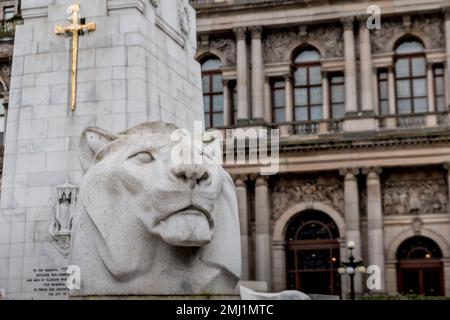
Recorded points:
375,222
226,103
323,126
447,167
447,39
367,100
242,74
351,100
279,266
352,223
267,100
289,98
257,75
391,122
242,199
263,246
431,118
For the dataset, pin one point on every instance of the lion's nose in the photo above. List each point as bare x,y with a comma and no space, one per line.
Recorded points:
193,174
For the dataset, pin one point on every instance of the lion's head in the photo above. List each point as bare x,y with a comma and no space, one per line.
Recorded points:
144,217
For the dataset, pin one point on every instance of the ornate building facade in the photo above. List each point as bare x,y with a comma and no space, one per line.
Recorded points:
365,144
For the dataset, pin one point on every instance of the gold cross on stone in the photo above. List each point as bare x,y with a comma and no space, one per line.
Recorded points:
74,30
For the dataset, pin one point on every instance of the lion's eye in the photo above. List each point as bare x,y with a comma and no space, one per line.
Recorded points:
143,157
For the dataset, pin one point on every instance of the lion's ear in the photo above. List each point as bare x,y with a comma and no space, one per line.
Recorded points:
92,141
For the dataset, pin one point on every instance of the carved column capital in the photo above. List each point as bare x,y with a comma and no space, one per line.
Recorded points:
256,32
240,180
446,11
372,172
240,32
261,181
288,77
447,166
347,23
349,173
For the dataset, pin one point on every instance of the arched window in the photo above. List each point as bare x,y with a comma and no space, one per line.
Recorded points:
308,85
410,76
420,267
212,92
312,253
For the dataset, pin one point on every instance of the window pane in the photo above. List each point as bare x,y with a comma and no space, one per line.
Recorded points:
440,104
279,115
418,67
278,98
383,87
217,83
337,79
338,110
316,113
207,123
420,87
278,84
402,68
301,97
205,84
337,93
410,46
206,100
301,114
403,89
438,71
300,76
218,103
404,106
211,64
217,119
439,83
384,107
316,95
382,75
420,105
308,56
315,75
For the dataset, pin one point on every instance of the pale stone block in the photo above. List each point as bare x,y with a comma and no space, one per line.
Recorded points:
28,80
41,231
60,61
18,232
4,253
38,214
5,232
46,178
36,96
86,92
24,33
107,57
38,63
4,268
113,89
17,250
62,160
59,94
14,284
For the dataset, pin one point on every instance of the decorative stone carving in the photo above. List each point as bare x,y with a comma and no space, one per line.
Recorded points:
148,226
330,38
248,294
411,195
228,49
61,228
431,26
184,17
276,44
329,191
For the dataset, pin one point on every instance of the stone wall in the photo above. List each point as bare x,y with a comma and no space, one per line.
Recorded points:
137,66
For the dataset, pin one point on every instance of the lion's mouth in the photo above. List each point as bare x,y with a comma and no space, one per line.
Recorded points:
190,210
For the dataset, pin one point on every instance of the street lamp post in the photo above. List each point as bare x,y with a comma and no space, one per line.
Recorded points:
351,267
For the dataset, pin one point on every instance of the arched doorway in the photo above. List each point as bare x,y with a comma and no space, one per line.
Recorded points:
420,268
312,253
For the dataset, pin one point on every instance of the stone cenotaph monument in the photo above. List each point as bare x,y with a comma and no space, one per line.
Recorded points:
111,64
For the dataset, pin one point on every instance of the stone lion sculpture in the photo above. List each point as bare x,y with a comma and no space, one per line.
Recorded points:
148,226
